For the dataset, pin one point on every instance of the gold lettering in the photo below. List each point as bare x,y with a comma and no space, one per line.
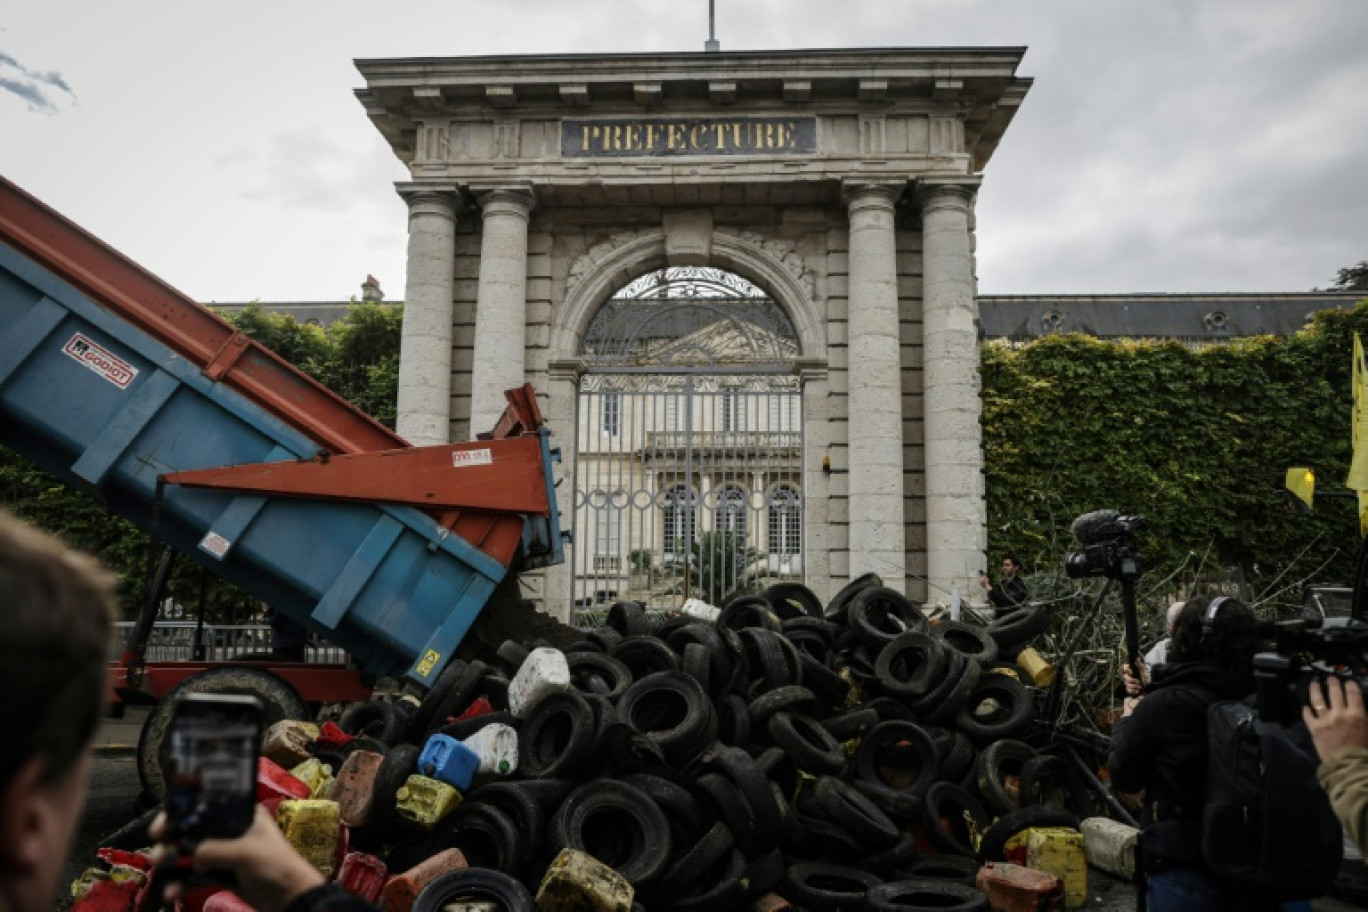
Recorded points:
615,138
694,132
676,135
721,141
591,134
736,135
634,137
767,136
651,137
786,139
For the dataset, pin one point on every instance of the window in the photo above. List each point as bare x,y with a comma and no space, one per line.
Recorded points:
611,417
731,512
733,411
678,522
783,412
607,531
785,522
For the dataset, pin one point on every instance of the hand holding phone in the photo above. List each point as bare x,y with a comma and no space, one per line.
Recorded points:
209,759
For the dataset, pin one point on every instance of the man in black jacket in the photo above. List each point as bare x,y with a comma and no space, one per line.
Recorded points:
1010,592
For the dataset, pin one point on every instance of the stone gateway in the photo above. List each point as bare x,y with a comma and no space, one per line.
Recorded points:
743,284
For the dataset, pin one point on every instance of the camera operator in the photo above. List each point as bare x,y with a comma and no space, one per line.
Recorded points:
58,614
1160,746
1339,726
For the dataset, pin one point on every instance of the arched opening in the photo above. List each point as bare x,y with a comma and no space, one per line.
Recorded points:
690,405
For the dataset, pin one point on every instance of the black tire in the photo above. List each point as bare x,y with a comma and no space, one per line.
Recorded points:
810,745
434,708
520,805
725,891
687,869
948,710
792,697
1009,670
671,709
778,767
474,884
464,728
762,807
1016,628
970,639
957,869
557,740
644,655
486,835
811,635
278,700
902,853
958,761
724,799
920,895
911,665
781,594
628,619
598,673
943,823
602,638
994,843
734,722
765,873
821,887
377,719
617,824
837,608
1011,712
769,666
708,636
132,836
852,723
878,615
679,805
1052,782
401,761
998,761
903,747
845,806
512,654
696,663
748,611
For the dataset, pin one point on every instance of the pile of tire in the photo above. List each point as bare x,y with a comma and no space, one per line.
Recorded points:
845,756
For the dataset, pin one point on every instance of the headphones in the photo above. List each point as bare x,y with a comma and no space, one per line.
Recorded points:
1212,608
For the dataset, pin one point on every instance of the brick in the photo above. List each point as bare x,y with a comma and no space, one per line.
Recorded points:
1012,888
352,787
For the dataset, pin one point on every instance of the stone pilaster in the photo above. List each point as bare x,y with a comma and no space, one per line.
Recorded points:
877,530
563,389
424,401
956,516
501,304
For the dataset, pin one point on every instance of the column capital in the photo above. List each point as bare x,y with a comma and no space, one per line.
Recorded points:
860,194
516,199
957,194
569,370
441,200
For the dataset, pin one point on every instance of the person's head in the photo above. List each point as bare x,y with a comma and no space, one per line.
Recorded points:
1219,631
56,628
1171,618
1011,566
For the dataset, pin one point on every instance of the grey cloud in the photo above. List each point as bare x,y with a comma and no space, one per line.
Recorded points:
33,86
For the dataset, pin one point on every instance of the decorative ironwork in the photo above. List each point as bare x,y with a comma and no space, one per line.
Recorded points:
688,483
690,316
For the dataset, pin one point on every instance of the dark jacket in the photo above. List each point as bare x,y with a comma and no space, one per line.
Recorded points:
1162,748
1009,593
329,898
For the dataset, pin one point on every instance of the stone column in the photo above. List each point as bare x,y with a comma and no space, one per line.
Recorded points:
877,528
558,579
424,402
956,516
500,305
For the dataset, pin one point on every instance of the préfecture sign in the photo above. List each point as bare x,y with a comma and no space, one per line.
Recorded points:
688,136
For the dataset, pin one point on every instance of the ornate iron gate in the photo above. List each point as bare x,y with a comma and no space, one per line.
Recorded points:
688,478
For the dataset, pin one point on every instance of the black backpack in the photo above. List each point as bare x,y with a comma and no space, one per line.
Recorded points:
1267,823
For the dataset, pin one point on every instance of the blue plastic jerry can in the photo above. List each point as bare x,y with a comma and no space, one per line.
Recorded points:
448,760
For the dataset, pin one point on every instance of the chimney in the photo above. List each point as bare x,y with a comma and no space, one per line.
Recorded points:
370,291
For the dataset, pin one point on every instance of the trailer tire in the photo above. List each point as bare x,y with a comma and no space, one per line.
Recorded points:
278,699
463,885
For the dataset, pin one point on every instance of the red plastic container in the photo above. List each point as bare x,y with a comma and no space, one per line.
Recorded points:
331,737
227,901
275,784
108,896
402,889
363,875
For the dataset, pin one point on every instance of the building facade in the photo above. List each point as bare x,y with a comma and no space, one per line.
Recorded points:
742,284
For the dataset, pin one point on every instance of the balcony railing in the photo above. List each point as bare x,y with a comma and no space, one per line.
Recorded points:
669,441
173,641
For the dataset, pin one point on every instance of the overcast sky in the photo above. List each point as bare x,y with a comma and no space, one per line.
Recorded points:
1167,145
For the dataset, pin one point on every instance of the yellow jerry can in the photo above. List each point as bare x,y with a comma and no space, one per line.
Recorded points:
317,775
1059,851
422,802
577,882
313,828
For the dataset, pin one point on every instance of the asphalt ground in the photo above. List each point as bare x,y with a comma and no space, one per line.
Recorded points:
114,787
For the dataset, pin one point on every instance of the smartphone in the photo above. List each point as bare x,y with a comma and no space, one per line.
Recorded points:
209,759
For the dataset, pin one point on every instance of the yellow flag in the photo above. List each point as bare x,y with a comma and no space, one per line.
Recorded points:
1358,468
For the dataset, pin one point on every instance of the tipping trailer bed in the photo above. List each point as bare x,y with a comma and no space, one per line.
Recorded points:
121,386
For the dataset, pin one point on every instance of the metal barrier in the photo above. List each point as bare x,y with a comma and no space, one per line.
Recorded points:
173,641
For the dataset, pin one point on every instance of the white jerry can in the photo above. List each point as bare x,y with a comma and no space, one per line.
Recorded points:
701,610
1109,845
497,746
543,673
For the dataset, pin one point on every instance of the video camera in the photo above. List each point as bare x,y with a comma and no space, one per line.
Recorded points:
1306,650
1108,544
